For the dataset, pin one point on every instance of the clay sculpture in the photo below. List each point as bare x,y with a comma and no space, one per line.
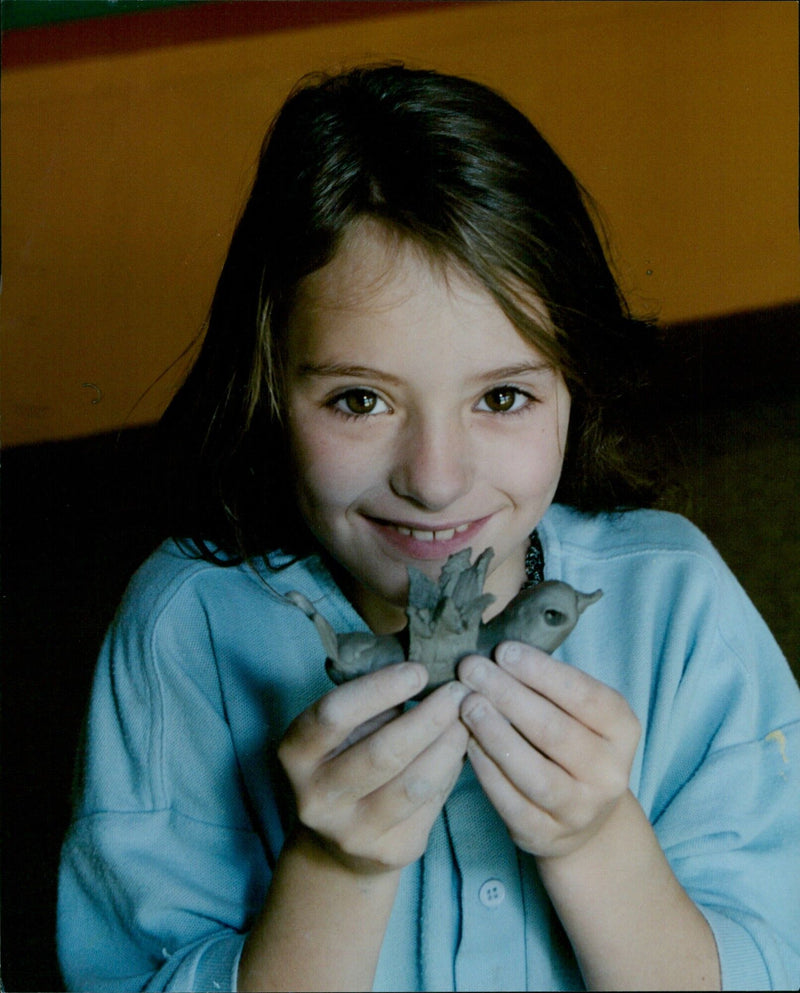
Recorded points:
444,622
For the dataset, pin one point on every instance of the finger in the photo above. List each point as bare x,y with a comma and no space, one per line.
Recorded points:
540,722
527,821
421,789
508,757
323,728
392,825
376,760
596,705
366,729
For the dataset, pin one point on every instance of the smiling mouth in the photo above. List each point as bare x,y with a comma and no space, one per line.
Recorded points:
431,542
446,534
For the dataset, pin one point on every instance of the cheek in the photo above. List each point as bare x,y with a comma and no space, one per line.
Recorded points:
532,470
563,409
550,446
540,472
328,472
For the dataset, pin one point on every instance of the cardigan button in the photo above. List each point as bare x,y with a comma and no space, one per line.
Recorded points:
492,893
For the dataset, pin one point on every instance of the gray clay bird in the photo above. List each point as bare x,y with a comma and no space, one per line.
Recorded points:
541,617
444,623
354,653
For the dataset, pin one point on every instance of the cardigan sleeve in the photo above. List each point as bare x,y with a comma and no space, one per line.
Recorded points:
732,836
162,868
152,901
727,813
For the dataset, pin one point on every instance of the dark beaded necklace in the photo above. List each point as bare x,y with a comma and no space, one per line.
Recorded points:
534,562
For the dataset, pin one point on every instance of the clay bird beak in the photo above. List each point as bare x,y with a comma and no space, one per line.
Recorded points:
587,599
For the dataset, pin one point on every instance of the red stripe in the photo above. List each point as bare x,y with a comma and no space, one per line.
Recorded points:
183,24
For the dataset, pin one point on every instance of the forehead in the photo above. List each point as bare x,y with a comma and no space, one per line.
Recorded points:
373,269
378,276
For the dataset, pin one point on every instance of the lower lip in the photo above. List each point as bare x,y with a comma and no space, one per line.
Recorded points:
412,548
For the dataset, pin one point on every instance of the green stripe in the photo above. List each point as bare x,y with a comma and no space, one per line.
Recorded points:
35,13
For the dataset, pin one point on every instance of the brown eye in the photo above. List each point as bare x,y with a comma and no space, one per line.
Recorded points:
501,399
359,403
504,399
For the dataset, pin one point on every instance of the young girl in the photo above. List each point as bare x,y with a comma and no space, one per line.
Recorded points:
416,347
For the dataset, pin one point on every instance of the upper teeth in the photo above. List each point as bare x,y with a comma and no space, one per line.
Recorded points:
432,535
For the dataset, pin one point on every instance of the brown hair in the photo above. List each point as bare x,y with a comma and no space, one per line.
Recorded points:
450,164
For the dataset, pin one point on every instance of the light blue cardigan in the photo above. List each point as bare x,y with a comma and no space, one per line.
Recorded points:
181,815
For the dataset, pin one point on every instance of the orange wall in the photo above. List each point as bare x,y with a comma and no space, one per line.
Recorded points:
122,176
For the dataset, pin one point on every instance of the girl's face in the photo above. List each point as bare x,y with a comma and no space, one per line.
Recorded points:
420,423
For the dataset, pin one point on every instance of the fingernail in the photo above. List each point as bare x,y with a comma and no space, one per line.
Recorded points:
472,670
414,675
474,709
509,654
458,690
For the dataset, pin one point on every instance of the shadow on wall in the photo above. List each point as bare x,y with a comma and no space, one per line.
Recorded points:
80,516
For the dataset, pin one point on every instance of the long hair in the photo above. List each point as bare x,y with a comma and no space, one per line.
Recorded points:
450,164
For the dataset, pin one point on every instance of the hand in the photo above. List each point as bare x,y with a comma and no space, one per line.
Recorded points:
369,781
551,746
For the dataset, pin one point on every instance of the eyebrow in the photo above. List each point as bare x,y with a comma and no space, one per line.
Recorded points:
336,370
512,371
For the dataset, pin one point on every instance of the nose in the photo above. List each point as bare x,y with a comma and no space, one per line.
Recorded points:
433,466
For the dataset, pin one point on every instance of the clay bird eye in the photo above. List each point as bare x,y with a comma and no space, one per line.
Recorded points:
554,618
